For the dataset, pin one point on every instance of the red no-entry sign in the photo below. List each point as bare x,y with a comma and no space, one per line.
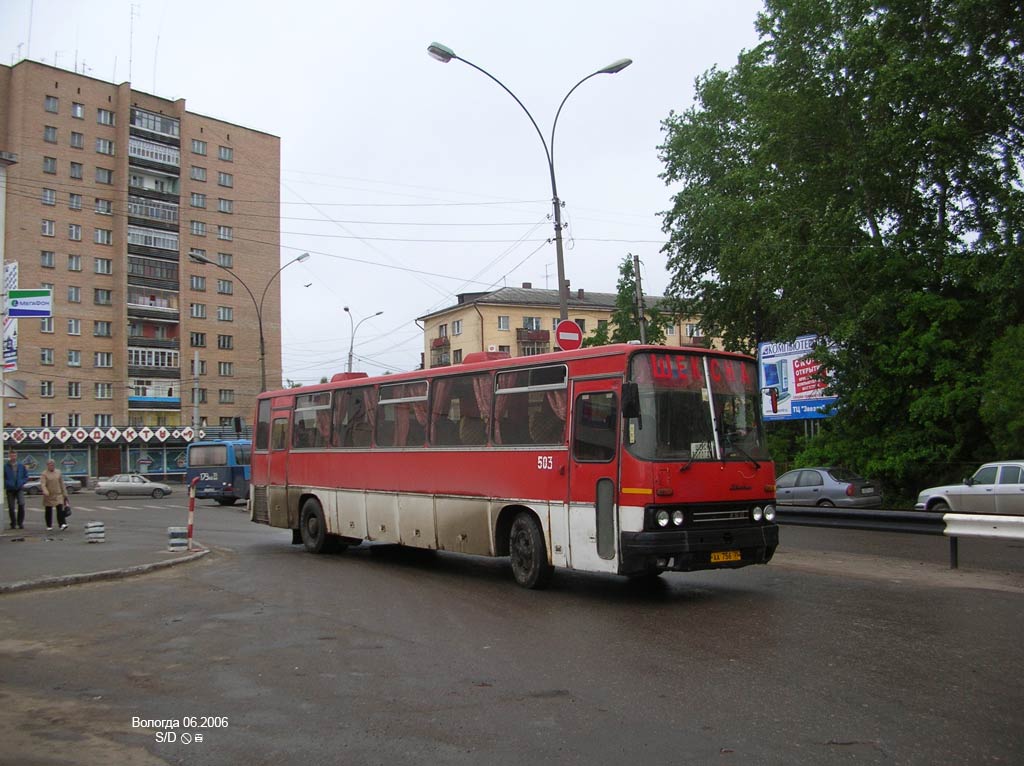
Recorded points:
568,335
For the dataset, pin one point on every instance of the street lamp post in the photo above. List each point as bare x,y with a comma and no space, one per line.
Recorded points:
355,326
258,305
444,54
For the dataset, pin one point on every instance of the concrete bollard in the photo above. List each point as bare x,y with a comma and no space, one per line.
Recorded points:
95,532
177,539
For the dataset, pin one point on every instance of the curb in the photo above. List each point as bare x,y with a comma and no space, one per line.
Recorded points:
106,574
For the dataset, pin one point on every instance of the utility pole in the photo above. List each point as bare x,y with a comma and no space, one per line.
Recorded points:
641,310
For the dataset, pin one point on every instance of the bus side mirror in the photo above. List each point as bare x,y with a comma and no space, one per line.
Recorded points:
773,393
630,400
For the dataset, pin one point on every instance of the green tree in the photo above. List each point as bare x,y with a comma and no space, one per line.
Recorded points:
858,175
624,325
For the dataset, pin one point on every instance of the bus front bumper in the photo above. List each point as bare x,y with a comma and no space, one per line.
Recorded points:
689,550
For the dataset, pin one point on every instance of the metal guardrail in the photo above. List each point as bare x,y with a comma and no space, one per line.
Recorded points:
951,525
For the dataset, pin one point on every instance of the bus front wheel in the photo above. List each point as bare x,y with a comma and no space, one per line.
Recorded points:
528,553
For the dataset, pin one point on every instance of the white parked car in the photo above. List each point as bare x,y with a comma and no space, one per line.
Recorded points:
996,488
130,484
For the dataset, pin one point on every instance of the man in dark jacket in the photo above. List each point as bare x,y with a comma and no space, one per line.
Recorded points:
15,478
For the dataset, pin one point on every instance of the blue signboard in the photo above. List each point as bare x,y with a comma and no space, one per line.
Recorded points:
792,383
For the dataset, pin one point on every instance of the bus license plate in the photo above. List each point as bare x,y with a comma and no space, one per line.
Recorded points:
717,557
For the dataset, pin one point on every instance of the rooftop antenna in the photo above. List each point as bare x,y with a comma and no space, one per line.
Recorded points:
131,39
28,49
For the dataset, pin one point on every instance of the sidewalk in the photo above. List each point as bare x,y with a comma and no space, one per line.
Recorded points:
135,543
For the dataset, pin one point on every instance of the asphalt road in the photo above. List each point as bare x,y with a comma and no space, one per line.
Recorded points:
838,652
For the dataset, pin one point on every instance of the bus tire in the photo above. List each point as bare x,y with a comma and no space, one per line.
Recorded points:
313,527
528,553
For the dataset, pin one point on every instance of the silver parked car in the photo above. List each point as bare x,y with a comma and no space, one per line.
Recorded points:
827,487
996,488
32,485
130,484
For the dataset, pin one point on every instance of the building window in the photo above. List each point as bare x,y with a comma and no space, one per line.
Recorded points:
225,179
104,176
102,296
225,314
198,228
197,282
104,117
74,390
670,331
47,259
225,342
104,206
197,200
51,104
225,259
192,367
442,331
76,171
74,294
225,287
46,325
226,205
197,173
198,147
198,339
103,359
103,265
74,357
225,233
505,350
46,388
49,165
225,369
77,110
74,263
74,327
503,323
75,232
226,153
531,323
105,146
199,396
48,228
48,197
102,329
104,421
46,356
694,330
49,134
457,327
104,390
226,396
77,140
197,310
582,324
74,419
46,420
103,237
74,201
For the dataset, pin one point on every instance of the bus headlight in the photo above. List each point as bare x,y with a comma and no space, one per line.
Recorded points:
757,513
677,518
769,513
662,518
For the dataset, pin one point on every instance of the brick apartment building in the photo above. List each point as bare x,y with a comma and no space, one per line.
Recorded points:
108,192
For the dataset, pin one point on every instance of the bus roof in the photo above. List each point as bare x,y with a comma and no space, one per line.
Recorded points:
595,352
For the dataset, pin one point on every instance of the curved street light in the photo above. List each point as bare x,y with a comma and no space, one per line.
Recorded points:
258,305
444,54
355,326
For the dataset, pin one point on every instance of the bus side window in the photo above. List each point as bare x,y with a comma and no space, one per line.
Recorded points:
263,425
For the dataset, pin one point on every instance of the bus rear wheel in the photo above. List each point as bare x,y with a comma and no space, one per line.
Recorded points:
313,530
528,553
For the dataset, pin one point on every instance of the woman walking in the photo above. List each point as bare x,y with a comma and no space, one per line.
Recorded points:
55,494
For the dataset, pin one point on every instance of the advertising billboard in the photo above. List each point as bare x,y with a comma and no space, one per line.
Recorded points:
792,384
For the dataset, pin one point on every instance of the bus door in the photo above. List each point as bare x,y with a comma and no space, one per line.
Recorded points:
594,474
277,471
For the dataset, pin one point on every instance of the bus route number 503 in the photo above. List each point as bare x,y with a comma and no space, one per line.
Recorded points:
545,462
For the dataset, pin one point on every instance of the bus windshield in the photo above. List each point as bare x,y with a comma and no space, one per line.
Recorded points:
696,408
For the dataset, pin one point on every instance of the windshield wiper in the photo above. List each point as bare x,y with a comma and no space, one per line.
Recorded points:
729,445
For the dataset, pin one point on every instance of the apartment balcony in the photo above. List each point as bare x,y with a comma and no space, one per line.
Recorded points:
153,155
442,342
163,373
154,403
164,343
149,311
532,336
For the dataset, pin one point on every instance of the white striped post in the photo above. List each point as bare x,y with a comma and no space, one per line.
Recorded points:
191,509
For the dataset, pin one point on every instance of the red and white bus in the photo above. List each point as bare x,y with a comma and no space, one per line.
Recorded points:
624,459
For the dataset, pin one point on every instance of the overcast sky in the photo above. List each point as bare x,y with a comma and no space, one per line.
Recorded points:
408,180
